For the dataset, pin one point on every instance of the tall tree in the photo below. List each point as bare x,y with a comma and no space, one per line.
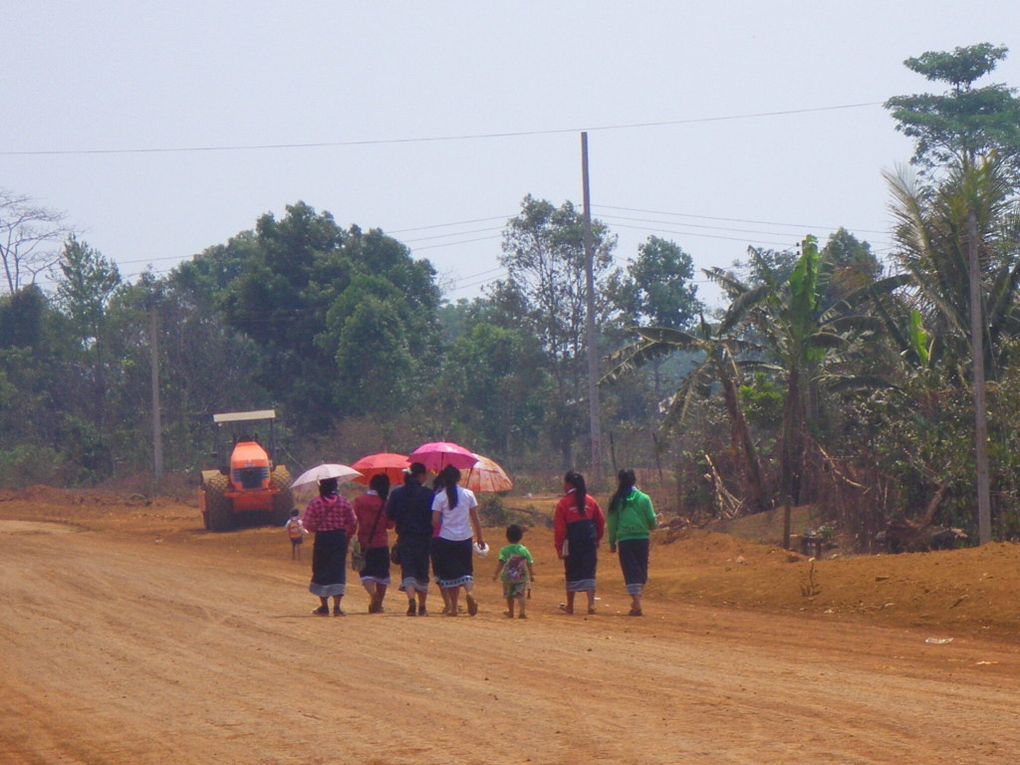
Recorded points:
86,283
965,121
658,291
29,239
544,291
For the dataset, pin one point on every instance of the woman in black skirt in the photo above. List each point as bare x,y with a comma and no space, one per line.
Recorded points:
331,517
579,525
370,508
455,514
631,521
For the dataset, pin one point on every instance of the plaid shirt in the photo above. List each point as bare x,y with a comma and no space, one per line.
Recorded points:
330,514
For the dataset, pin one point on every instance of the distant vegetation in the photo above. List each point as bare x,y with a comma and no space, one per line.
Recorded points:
827,379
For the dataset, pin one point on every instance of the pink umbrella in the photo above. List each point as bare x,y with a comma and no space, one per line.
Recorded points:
438,454
486,475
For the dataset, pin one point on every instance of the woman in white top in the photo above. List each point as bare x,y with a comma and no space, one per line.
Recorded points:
455,514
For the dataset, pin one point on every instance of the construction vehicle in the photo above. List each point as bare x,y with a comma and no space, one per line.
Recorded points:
247,488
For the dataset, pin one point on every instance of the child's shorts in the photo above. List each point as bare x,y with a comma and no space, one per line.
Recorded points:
514,589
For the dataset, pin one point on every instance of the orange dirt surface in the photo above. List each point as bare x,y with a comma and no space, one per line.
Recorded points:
132,635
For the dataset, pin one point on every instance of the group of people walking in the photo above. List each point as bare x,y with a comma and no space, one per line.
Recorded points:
438,528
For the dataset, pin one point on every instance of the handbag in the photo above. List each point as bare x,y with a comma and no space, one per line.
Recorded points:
357,556
357,551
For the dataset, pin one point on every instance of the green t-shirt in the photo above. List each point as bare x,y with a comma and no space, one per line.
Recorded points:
634,519
515,570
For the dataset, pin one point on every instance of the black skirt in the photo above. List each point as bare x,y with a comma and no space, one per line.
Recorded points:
329,564
634,563
580,564
377,565
413,550
454,567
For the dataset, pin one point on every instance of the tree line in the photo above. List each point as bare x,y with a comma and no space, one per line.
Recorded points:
826,378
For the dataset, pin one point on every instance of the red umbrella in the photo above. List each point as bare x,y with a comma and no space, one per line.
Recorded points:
438,454
392,465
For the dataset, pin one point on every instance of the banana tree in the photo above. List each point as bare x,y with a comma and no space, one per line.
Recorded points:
719,365
803,340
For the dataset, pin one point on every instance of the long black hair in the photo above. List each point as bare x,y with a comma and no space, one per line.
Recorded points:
328,487
450,478
576,480
625,481
380,484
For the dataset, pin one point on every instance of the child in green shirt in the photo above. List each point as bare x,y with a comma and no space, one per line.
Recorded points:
515,570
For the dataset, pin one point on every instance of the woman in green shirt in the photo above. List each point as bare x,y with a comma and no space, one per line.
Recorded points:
631,519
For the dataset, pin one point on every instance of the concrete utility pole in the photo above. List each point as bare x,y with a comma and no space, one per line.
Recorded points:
977,344
157,422
591,337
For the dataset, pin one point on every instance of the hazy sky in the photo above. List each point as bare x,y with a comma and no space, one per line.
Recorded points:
80,77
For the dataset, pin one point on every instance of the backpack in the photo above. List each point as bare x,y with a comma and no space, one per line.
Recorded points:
294,528
516,570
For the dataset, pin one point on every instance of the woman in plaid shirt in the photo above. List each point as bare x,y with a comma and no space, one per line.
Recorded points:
331,517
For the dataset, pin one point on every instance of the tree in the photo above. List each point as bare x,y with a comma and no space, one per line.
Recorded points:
28,236
544,291
720,346
658,291
932,246
966,121
86,283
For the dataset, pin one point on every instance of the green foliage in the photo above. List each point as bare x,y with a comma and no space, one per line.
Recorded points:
27,464
762,401
965,121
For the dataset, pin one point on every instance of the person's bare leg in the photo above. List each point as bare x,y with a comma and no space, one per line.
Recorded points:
454,595
510,607
635,605
520,609
472,604
323,609
591,601
570,602
422,597
380,593
337,610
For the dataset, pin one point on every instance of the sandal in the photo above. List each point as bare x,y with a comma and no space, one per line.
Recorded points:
339,612
566,609
472,606
635,612
321,611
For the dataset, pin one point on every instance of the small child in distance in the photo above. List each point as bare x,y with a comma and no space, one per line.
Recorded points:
515,570
296,532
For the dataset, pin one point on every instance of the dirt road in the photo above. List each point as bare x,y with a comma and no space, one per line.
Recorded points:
143,640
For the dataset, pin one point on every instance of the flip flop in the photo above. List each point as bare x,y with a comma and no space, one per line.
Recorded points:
321,611
472,606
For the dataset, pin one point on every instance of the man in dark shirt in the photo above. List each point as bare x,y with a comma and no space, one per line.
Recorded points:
410,508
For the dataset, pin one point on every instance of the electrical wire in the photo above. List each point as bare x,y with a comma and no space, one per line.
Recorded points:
431,139
739,220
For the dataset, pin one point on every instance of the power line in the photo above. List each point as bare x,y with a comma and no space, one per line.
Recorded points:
430,139
739,220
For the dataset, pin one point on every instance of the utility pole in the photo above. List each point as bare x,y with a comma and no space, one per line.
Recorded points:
591,338
977,344
157,423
